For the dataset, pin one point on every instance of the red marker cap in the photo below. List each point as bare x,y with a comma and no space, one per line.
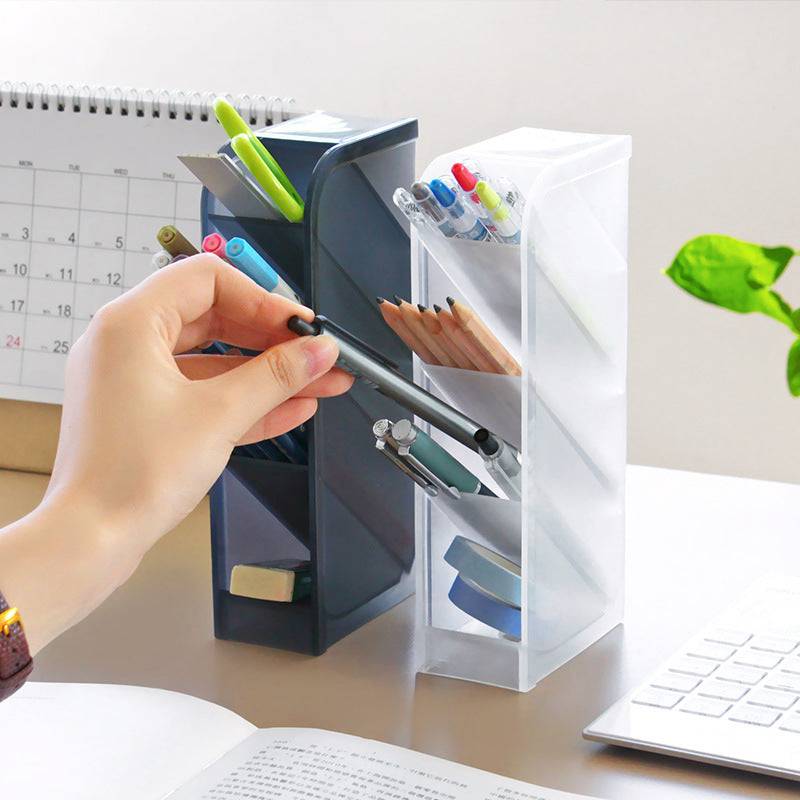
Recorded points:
466,180
214,243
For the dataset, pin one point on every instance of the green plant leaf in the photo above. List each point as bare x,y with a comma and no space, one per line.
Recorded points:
733,274
793,368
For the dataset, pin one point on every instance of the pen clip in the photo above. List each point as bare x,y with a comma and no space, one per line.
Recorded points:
421,480
324,322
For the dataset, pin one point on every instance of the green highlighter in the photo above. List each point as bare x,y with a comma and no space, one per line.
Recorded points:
279,185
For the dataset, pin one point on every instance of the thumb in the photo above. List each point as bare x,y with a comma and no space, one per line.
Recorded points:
264,382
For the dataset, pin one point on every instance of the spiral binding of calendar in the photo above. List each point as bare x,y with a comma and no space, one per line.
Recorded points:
259,110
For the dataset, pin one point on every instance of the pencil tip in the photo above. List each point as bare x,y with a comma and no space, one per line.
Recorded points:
451,302
436,308
421,307
398,299
379,300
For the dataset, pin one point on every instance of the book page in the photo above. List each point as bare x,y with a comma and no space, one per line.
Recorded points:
299,764
76,741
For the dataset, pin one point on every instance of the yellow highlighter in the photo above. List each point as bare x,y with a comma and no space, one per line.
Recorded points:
234,125
243,147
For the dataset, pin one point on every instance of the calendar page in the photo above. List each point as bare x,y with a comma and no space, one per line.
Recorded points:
82,195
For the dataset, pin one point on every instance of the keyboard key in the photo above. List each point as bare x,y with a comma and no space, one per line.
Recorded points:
790,722
675,682
791,665
711,650
756,658
657,698
746,675
693,666
724,636
771,699
722,690
773,645
755,716
783,680
704,707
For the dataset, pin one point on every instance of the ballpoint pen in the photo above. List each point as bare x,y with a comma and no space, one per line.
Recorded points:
462,217
432,210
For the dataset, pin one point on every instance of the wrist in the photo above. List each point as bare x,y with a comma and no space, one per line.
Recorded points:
59,563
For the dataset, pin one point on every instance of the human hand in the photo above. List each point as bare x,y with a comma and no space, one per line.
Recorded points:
145,432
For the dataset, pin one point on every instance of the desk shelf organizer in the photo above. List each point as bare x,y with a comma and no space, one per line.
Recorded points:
348,511
558,301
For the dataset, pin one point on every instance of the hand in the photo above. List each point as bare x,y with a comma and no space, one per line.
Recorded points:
148,426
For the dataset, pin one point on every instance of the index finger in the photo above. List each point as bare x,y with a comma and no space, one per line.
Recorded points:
182,293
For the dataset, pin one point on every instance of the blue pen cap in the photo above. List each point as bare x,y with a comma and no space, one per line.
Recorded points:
244,257
443,193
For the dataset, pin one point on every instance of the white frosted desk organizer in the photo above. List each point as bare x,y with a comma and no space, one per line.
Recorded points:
558,302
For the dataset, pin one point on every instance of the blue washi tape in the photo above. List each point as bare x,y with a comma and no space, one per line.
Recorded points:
486,609
488,570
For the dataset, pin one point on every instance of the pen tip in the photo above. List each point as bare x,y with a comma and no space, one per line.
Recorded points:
421,307
436,308
379,300
398,299
451,302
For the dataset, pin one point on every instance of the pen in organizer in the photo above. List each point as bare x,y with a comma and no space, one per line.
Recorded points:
214,243
467,175
174,242
412,211
386,445
236,127
244,147
433,457
432,210
462,217
506,219
243,256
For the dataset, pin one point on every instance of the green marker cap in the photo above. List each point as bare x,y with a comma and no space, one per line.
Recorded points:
491,200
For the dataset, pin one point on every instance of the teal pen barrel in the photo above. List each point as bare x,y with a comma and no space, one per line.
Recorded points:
439,461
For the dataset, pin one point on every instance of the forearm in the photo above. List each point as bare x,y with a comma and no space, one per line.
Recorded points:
57,564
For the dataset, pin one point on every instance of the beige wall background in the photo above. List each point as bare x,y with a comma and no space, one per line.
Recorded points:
709,92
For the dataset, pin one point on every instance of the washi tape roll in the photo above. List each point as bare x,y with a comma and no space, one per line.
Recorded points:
488,610
489,571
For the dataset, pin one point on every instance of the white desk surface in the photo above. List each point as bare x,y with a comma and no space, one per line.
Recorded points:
694,542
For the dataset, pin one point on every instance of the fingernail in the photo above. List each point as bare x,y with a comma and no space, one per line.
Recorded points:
321,353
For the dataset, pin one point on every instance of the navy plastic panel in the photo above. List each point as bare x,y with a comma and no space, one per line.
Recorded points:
352,510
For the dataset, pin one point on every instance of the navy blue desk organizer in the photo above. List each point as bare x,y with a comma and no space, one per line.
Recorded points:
348,511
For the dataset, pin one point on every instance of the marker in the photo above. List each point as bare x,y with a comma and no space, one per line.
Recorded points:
242,255
215,244
434,457
506,219
429,205
234,125
161,259
380,374
174,242
244,147
463,218
467,175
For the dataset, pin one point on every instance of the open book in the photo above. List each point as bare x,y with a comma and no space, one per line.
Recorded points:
95,742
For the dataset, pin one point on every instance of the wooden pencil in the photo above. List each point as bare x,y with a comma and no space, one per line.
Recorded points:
476,329
413,320
454,332
434,328
394,319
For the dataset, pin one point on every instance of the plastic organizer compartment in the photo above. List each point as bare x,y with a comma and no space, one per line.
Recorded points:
558,302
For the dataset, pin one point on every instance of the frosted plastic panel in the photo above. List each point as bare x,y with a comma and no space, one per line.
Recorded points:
559,304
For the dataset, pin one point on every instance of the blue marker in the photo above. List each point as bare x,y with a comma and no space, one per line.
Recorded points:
242,255
467,225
